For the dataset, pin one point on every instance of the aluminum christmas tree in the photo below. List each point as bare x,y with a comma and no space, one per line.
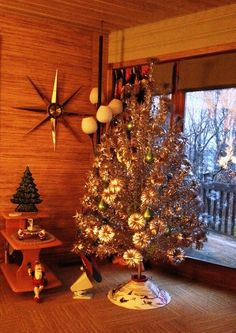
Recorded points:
141,199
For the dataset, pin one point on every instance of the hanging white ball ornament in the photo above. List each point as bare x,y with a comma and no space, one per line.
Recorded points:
104,114
93,97
89,125
116,105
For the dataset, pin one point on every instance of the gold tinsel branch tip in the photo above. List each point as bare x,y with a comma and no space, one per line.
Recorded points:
132,257
136,221
153,61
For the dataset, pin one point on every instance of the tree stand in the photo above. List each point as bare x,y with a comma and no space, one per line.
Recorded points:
140,293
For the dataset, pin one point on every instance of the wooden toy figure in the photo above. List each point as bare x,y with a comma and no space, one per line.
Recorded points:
39,279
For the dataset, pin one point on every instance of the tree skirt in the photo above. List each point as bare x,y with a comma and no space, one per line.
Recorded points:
141,294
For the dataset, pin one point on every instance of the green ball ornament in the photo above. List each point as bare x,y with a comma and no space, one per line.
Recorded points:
102,205
148,214
149,156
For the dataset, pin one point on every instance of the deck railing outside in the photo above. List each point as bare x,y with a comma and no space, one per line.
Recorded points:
219,201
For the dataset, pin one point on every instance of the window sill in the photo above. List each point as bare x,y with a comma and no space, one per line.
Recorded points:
219,249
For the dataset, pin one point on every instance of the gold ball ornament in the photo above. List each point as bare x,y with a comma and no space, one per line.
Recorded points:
130,126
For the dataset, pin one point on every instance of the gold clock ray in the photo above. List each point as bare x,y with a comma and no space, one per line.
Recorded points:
55,111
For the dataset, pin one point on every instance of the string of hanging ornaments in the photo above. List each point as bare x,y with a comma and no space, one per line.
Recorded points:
104,113
141,199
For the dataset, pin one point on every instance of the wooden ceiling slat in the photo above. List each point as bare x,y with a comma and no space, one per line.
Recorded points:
116,14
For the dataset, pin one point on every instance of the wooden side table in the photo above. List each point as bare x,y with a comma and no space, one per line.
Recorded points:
17,276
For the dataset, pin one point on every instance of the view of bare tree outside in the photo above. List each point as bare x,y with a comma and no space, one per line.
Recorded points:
210,125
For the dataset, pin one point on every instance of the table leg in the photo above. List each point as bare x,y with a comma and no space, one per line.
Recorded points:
6,252
28,256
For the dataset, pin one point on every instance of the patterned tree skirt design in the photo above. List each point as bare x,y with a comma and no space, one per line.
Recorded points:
141,294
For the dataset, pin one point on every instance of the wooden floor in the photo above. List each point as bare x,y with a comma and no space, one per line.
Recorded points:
194,308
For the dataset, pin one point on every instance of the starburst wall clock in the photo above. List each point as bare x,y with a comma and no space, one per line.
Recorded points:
54,110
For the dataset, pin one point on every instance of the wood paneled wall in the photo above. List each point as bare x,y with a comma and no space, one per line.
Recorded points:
204,32
34,47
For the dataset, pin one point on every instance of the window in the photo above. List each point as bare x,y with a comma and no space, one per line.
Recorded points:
210,126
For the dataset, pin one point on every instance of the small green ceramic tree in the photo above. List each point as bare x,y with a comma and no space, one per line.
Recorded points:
26,195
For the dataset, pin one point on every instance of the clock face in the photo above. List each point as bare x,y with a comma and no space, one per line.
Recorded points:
55,111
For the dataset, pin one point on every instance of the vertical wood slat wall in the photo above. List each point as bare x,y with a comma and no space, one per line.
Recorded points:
35,47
